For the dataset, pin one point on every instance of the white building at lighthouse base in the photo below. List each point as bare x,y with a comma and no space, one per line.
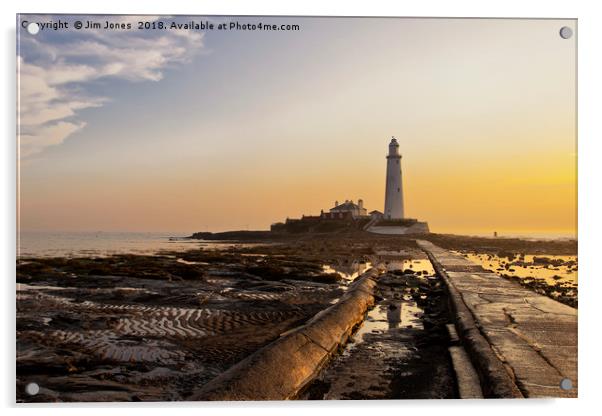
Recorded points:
409,226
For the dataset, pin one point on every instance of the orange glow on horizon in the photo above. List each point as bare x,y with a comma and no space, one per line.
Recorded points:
487,132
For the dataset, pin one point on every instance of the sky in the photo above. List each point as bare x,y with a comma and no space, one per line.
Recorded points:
211,130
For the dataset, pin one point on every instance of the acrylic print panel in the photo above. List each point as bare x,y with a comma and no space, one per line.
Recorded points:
268,208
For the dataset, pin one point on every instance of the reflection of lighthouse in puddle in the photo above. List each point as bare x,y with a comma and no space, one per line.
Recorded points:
394,315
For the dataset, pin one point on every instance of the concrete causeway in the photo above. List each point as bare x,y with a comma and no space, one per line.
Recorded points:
533,336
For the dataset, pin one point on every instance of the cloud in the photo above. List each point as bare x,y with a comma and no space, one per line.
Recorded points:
46,135
54,74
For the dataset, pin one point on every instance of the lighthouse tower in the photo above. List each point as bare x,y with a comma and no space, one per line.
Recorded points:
394,188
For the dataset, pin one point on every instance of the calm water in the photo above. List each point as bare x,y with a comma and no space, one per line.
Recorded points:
528,268
94,244
348,271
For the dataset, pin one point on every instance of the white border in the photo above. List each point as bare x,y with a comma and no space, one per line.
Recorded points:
590,207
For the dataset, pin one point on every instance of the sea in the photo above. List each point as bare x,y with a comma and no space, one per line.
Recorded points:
102,244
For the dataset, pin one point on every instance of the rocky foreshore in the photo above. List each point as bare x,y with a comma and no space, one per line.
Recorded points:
131,327
159,327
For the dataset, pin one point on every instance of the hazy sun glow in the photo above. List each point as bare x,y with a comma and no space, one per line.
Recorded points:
221,131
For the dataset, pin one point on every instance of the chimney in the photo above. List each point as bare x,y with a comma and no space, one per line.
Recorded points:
336,203
360,203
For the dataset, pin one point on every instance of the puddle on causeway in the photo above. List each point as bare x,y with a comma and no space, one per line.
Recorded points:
388,315
397,311
385,358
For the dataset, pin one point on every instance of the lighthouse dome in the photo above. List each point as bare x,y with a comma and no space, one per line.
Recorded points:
393,147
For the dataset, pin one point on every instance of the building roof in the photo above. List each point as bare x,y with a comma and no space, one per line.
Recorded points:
375,212
345,206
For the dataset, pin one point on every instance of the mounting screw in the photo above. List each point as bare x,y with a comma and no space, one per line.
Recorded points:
566,32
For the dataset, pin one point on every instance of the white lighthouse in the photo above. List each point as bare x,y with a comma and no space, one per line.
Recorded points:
394,188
